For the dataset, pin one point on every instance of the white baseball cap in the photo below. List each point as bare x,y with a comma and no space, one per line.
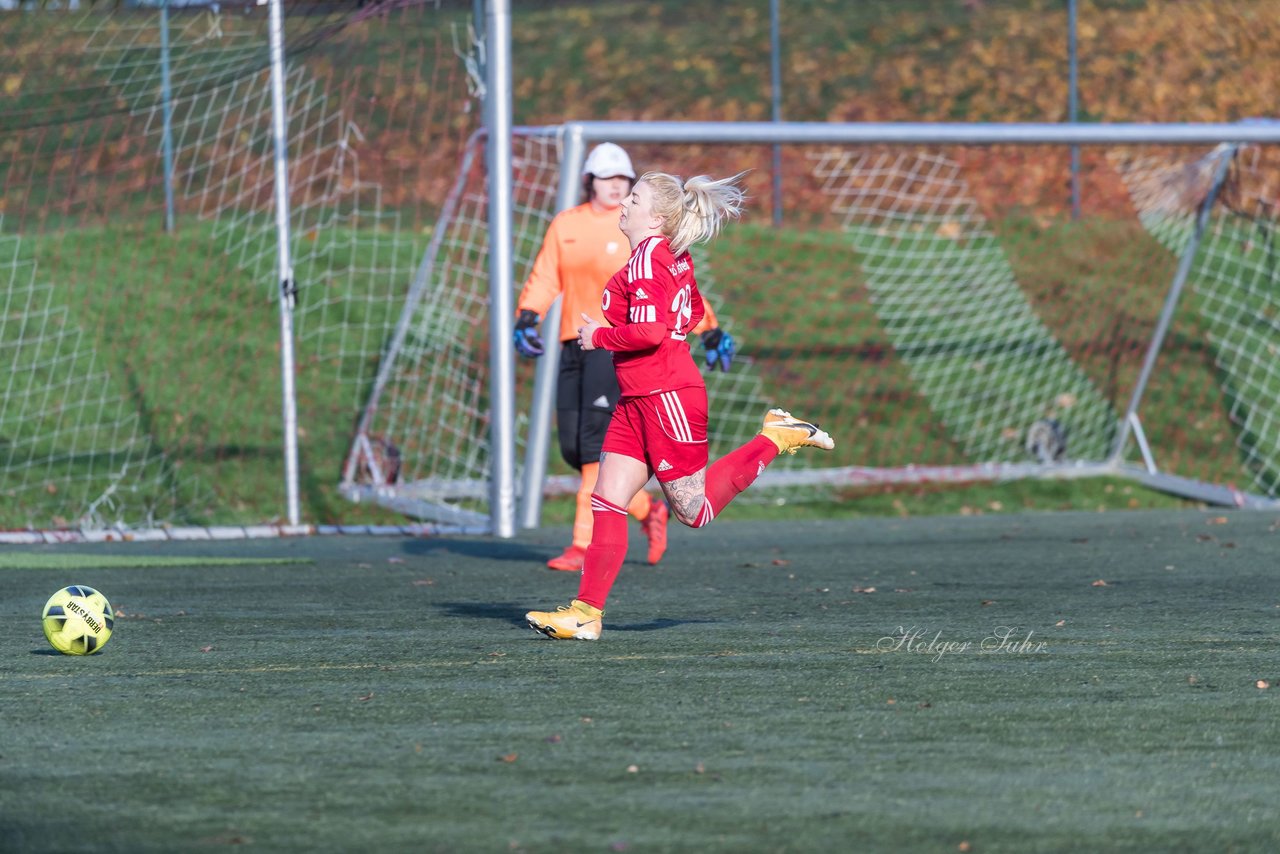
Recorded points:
608,160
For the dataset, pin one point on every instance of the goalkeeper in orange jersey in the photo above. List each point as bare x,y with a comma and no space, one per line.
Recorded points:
582,248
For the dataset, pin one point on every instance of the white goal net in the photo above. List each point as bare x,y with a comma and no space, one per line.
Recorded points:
942,330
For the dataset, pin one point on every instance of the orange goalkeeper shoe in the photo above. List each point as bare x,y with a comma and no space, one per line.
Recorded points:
790,433
570,561
577,621
655,528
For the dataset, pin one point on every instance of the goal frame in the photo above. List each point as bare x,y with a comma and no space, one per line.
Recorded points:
573,139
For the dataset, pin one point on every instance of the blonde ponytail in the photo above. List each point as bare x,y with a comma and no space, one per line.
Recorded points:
694,211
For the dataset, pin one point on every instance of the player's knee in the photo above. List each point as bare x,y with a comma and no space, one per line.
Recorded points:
692,517
684,518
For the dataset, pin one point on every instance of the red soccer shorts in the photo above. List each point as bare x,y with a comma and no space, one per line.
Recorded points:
667,431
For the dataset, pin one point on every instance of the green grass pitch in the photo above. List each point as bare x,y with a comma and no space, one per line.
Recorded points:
769,687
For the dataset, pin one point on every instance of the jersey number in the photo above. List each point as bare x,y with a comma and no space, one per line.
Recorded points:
682,307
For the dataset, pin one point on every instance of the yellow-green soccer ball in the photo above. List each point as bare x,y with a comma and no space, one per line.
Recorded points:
78,620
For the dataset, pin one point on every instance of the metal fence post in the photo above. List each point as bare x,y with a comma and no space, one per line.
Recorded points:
775,64
1073,102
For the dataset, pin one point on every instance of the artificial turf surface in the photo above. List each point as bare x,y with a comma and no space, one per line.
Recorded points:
754,692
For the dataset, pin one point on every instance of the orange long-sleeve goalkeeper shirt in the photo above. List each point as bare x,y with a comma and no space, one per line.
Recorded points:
583,247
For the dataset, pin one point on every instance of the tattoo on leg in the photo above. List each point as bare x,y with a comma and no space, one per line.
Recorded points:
685,495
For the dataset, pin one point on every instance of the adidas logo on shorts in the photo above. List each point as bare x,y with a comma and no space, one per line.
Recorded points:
640,294
665,466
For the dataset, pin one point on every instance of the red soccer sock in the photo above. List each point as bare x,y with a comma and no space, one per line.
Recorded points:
732,473
605,554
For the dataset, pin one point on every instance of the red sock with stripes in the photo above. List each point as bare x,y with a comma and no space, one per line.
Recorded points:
732,473
605,554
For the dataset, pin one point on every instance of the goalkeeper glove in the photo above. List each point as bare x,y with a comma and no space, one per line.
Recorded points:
528,341
720,349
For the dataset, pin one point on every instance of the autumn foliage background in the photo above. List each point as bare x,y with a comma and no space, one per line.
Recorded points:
395,67
940,61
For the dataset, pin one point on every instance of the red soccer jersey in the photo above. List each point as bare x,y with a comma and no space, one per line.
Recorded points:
652,304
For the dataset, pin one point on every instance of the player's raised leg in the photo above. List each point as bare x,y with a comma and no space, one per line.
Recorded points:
696,500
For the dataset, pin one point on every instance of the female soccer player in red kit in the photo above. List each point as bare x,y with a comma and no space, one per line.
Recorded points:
660,424
581,250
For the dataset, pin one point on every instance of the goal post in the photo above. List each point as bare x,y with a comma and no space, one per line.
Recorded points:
142,267
572,156
937,315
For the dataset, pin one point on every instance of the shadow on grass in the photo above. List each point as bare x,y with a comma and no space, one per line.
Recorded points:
502,612
652,625
513,614
45,651
483,549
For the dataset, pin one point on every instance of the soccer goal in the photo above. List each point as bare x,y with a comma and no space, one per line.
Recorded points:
929,299
139,254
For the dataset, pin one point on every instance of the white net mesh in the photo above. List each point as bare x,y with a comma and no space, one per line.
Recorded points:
176,337
69,435
944,289
948,336
1234,281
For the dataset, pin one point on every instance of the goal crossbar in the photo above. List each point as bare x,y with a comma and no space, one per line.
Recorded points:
1258,131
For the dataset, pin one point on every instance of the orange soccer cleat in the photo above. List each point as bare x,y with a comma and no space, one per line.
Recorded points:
570,561
655,528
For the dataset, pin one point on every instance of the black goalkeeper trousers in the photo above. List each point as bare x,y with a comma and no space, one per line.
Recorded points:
586,394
